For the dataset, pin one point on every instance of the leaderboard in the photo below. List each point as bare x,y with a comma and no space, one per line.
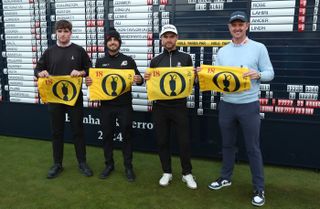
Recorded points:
25,39
273,15
277,16
289,29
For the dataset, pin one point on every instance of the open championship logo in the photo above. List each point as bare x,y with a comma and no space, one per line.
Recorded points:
113,84
64,90
226,81
176,87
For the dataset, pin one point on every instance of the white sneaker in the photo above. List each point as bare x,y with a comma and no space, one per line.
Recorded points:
165,179
190,181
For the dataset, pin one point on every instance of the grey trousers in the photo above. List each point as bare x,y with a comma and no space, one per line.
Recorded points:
231,116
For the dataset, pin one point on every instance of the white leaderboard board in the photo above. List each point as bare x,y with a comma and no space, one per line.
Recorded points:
289,29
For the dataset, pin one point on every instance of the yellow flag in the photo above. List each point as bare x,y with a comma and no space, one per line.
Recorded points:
108,83
60,89
223,79
170,83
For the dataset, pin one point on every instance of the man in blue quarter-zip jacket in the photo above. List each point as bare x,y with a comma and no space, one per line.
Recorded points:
172,113
243,109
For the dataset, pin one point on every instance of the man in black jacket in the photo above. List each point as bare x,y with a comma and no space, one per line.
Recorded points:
118,110
65,58
169,114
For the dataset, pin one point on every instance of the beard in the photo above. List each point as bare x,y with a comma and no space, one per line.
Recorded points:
113,49
169,46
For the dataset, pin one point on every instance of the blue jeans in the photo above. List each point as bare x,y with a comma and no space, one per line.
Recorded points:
247,116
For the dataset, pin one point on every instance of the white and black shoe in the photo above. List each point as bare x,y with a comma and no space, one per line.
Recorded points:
219,183
189,180
165,179
258,198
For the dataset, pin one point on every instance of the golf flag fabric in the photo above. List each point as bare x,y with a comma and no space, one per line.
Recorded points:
223,79
170,83
60,89
108,83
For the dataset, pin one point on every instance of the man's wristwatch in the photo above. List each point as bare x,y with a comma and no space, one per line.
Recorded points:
259,74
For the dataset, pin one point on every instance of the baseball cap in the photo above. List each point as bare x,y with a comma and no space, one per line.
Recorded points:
238,15
112,33
168,28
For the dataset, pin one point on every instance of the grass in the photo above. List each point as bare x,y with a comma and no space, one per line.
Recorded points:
24,164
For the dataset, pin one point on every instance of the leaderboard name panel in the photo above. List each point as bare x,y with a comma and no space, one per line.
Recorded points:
23,40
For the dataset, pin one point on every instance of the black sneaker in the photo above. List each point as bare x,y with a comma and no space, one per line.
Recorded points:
54,171
219,183
258,198
130,174
85,170
106,172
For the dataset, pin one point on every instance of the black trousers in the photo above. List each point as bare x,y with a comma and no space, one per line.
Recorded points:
112,116
57,116
165,119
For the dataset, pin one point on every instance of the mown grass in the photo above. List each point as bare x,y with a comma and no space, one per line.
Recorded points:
24,164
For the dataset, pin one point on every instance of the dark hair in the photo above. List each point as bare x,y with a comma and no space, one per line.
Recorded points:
62,24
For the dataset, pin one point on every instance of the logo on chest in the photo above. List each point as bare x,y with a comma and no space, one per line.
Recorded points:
124,63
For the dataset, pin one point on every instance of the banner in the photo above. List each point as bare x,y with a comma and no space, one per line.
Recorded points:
170,83
108,83
223,79
60,89
203,43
